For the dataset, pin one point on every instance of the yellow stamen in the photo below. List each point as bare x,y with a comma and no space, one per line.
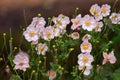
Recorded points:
76,22
85,46
85,59
31,33
87,22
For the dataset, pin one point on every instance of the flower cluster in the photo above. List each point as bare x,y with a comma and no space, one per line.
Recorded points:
85,58
89,32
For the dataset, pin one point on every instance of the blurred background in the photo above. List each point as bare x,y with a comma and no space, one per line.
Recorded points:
13,13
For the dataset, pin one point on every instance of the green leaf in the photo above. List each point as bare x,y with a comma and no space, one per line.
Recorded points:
116,74
15,77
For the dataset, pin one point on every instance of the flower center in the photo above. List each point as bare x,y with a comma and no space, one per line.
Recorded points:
21,63
93,11
85,46
47,33
104,10
51,73
85,59
87,22
41,48
75,34
76,22
31,33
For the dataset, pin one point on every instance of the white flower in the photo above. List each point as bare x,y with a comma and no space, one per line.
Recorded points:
86,37
76,22
86,46
88,23
42,48
105,9
21,61
51,74
98,27
48,33
31,34
85,59
75,35
38,22
86,69
56,31
109,58
95,10
61,21
115,18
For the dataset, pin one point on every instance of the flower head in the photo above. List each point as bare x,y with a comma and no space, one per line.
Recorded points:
42,48
48,33
76,22
86,47
98,27
86,37
52,74
95,10
21,61
31,34
88,23
86,69
38,22
85,59
105,10
75,35
61,21
115,18
109,58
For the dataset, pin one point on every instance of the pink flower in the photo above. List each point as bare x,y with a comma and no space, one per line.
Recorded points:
98,27
75,35
48,33
105,9
42,48
56,31
86,47
38,22
51,74
86,69
76,22
88,23
86,37
21,61
85,59
95,10
109,58
115,18
31,34
61,21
